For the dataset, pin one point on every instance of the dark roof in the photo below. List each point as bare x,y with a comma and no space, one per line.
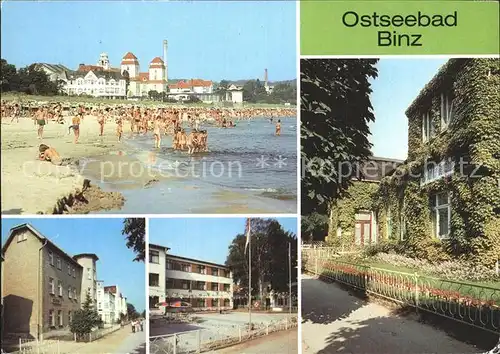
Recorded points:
158,246
376,168
59,68
197,261
86,255
41,237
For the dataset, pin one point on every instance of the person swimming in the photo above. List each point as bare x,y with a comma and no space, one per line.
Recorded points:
278,128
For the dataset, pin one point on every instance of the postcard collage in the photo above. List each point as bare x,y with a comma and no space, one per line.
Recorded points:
264,177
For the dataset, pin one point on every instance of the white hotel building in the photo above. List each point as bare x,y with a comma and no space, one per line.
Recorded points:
205,285
111,304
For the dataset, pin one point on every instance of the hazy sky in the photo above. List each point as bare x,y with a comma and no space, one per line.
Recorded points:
399,82
209,40
206,239
101,236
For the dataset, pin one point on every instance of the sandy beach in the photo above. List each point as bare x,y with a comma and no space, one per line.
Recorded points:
30,186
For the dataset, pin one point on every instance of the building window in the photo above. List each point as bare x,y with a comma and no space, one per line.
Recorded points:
200,285
59,263
69,292
441,214
169,265
51,258
60,289
74,272
427,127
52,321
22,237
434,171
185,284
154,257
154,279
52,289
227,287
201,303
215,272
202,270
446,110
70,317
60,318
69,269
89,273
185,267
215,287
169,283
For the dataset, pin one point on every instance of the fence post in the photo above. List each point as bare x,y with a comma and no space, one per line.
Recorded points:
90,337
74,336
199,340
416,292
286,323
175,343
239,332
38,347
316,265
20,345
267,328
58,347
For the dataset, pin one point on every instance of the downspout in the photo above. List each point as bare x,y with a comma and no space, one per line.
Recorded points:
40,320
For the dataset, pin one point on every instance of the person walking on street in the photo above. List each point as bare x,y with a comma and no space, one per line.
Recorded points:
133,326
142,325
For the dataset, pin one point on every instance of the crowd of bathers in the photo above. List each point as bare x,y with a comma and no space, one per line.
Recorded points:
143,119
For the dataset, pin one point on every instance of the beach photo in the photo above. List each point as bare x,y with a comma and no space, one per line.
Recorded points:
190,111
401,216
200,272
73,286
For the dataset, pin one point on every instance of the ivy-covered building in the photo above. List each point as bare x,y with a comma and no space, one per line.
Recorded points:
444,201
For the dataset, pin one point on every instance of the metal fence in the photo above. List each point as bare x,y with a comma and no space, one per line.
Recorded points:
95,335
34,346
473,304
204,340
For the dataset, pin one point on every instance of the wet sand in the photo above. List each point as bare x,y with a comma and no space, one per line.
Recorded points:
30,186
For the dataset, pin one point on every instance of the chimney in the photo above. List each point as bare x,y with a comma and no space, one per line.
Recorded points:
165,47
265,77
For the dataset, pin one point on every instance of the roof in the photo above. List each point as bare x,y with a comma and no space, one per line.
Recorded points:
87,68
86,255
129,56
157,62
57,68
190,83
376,168
116,75
171,256
446,72
158,246
143,76
40,237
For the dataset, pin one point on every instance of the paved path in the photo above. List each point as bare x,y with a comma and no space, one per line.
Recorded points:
285,342
336,322
122,341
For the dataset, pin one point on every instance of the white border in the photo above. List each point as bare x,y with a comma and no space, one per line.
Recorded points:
395,56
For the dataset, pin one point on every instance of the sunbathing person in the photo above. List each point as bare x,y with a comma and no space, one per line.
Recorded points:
46,153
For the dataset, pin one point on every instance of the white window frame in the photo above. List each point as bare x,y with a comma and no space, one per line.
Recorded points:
426,126
52,286
22,237
70,317
59,263
74,272
69,292
436,209
89,273
51,258
446,110
60,318
69,269
52,319
442,169
60,288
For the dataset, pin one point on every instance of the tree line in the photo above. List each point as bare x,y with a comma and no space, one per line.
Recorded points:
269,252
29,80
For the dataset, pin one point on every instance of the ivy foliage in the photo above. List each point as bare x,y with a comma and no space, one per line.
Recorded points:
472,141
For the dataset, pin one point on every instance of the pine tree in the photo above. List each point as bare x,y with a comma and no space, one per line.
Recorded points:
86,319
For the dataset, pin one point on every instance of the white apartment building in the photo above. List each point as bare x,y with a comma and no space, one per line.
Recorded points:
205,285
157,268
111,303
96,82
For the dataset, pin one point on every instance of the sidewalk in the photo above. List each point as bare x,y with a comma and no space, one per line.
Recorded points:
122,341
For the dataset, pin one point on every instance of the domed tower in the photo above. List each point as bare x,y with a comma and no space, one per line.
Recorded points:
130,64
157,72
103,61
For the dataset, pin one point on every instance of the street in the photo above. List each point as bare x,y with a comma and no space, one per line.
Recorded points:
284,342
335,321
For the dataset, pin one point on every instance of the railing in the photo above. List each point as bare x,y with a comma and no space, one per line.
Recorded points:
34,346
472,304
204,340
97,334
